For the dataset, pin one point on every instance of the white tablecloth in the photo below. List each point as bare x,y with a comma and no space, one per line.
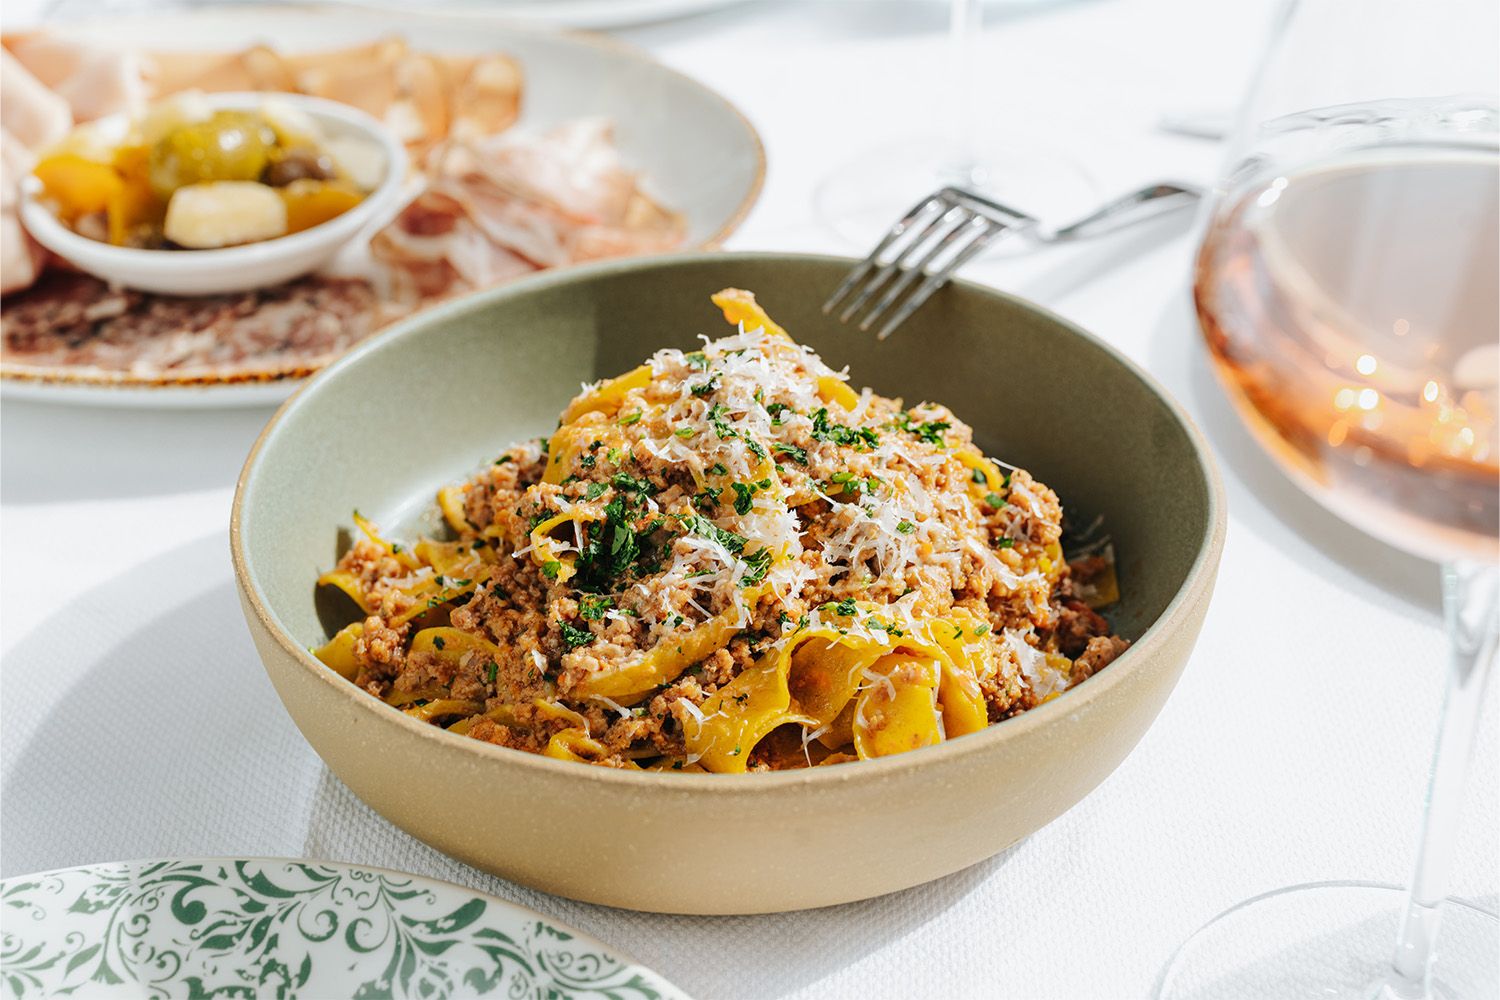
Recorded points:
138,723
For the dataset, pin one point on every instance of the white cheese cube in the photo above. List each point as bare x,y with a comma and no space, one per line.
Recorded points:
224,213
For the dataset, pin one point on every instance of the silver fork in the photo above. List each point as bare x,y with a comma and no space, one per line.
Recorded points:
952,225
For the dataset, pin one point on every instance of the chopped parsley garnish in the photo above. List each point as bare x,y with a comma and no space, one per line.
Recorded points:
624,481
685,432
504,458
846,608
852,437
630,418
906,527
609,550
696,359
841,477
995,500
490,671
758,562
981,628
550,569
717,469
798,455
706,389
573,636
593,606
743,498
718,416
979,477
595,491
437,642
930,433
703,526
1005,543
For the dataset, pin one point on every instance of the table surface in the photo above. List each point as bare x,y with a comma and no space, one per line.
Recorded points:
137,721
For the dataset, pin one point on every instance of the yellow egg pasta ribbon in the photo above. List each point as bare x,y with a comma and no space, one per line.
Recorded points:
546,548
662,664
607,396
899,713
884,695
742,713
338,652
994,481
740,308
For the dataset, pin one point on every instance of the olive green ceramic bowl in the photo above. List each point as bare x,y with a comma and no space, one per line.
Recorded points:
430,400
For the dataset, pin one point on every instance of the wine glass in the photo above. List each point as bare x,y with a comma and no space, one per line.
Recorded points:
1346,285
955,147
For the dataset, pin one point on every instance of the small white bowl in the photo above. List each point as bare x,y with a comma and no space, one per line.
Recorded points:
237,268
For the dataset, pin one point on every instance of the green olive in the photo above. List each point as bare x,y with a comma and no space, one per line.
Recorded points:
230,146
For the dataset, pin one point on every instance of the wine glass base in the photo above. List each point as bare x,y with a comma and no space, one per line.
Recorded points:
1329,940
862,199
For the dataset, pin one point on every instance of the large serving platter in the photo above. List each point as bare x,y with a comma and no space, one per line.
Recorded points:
287,927
695,153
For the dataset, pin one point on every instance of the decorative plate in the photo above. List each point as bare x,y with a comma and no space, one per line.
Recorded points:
226,927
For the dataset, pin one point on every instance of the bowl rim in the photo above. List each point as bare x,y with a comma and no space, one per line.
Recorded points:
44,225
1100,686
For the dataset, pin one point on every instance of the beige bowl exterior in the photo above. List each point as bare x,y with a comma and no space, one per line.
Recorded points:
720,843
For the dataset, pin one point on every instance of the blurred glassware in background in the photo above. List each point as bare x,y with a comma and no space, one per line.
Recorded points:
858,200
1348,285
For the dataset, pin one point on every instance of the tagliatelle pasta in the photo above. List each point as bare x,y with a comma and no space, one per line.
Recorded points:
729,560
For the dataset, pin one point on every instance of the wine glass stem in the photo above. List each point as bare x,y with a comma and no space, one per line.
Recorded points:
1471,604
963,36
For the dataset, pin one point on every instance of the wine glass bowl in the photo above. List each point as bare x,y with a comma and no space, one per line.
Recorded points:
1348,287
1350,306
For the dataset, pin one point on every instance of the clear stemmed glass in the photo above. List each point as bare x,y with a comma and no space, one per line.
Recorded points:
1347,288
955,146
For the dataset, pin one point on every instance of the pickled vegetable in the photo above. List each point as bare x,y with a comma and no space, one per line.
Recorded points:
299,163
312,202
79,186
189,177
135,212
224,213
230,146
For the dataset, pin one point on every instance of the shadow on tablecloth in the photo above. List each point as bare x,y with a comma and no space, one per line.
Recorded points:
137,722
754,957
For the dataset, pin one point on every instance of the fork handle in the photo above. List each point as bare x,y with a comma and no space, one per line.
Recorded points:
1149,201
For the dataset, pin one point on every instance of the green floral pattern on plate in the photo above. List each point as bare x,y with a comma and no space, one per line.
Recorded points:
227,928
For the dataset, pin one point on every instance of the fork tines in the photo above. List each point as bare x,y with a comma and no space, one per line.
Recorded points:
934,239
